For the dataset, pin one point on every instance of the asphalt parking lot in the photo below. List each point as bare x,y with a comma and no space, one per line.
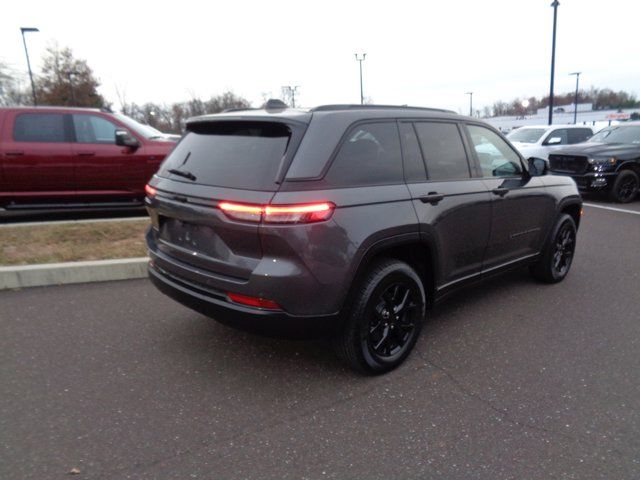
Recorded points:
511,380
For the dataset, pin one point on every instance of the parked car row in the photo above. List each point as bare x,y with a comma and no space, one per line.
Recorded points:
72,157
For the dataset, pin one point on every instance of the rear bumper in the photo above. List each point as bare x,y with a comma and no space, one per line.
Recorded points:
593,181
215,305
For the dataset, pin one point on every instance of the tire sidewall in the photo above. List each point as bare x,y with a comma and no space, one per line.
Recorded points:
562,221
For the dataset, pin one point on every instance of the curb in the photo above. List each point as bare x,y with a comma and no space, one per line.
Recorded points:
23,276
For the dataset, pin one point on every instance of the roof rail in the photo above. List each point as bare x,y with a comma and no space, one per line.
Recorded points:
238,109
329,108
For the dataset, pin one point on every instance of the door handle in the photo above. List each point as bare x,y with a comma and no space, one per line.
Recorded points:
500,191
86,154
14,153
432,197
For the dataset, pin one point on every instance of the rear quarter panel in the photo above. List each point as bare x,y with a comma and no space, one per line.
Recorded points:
320,260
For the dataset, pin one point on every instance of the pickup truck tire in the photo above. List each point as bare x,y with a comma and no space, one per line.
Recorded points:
384,319
625,187
558,252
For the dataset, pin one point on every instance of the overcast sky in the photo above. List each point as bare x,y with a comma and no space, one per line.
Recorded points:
426,53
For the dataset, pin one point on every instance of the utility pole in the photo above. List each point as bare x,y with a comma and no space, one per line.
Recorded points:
290,91
555,5
470,103
26,52
360,60
575,103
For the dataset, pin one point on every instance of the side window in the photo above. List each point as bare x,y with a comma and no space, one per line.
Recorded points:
93,129
39,127
560,133
578,135
370,155
495,156
443,151
413,163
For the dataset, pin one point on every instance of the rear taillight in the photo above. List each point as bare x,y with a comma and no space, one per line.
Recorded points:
302,213
150,191
256,302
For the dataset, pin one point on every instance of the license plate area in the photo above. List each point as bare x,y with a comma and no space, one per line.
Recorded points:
187,235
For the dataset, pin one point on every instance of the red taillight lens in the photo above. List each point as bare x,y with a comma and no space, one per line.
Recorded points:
304,213
253,301
313,212
150,191
239,211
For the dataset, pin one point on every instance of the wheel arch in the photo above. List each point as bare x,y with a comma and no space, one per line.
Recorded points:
411,249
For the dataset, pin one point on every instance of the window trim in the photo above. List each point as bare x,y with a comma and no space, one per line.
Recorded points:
475,156
67,127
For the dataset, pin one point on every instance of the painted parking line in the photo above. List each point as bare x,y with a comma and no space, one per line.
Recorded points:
623,210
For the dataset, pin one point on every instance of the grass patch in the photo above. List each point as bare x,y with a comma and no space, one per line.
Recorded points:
72,242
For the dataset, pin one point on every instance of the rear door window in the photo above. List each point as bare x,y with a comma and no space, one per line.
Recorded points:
579,135
244,155
39,127
370,155
443,151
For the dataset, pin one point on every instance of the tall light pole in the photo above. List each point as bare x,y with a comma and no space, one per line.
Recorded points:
26,52
470,103
360,60
555,5
575,103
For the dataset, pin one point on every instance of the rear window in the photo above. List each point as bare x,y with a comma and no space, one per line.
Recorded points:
39,127
244,155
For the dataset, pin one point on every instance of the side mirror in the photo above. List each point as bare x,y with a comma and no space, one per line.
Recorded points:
537,167
125,139
554,141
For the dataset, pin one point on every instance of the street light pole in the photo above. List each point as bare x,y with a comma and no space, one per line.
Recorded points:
575,103
26,52
555,5
470,103
360,60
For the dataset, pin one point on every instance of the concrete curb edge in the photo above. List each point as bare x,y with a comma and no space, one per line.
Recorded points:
22,276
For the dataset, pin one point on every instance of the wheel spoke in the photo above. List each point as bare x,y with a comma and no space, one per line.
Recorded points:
400,307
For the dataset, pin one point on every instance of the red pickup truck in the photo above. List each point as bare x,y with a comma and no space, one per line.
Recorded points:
54,157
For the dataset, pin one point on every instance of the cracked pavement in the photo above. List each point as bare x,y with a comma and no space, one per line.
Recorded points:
510,380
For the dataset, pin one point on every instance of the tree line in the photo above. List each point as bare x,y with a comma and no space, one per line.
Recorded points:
69,81
601,98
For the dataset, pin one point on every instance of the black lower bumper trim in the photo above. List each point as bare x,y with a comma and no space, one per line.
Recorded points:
265,322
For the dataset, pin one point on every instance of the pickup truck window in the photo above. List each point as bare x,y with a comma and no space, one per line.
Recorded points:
39,127
93,129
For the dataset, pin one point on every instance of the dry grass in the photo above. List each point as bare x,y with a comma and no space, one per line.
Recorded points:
72,242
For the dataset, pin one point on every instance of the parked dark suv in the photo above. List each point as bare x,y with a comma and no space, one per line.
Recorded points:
608,162
351,218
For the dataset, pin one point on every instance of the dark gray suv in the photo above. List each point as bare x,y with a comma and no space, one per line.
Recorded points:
350,220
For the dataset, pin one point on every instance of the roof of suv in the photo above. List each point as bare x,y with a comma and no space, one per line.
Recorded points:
348,111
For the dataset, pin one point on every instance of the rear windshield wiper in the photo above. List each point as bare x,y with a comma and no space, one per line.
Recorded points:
182,173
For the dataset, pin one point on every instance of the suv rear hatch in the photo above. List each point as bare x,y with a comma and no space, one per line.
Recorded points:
238,161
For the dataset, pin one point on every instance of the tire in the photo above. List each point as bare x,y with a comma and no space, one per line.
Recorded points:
373,340
625,187
557,255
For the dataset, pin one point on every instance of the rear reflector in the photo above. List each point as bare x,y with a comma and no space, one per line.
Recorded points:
303,213
150,191
253,301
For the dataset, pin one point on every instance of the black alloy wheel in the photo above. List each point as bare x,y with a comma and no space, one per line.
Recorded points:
384,319
625,187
